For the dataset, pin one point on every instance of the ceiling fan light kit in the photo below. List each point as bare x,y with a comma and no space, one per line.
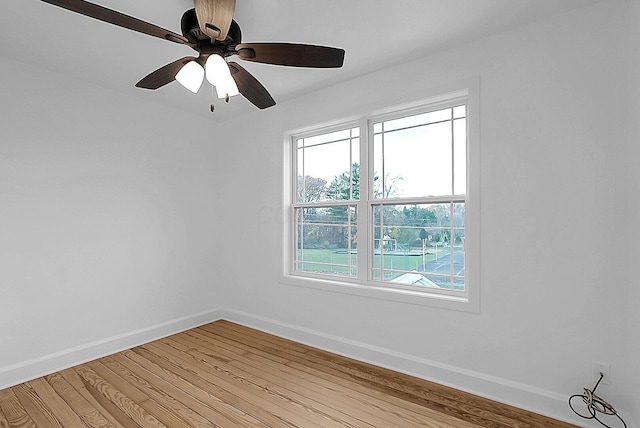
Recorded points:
210,30
192,74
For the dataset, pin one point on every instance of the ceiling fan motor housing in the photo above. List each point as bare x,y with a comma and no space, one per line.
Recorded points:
204,44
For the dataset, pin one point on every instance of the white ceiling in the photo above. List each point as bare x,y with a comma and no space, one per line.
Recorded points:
374,33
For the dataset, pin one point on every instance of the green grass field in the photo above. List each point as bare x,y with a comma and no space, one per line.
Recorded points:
335,262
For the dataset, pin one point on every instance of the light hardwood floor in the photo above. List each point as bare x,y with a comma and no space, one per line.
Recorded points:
226,375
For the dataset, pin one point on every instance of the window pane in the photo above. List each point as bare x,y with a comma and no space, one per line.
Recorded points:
442,282
328,172
421,244
460,156
378,167
458,243
327,160
355,169
417,162
458,220
327,240
345,186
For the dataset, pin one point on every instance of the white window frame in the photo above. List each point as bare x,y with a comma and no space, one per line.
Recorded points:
469,300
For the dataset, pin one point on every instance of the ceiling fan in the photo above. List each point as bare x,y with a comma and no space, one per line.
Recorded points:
210,30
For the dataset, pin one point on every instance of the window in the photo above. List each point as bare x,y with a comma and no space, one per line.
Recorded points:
382,202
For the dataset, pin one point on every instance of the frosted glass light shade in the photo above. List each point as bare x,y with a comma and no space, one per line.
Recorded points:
218,74
191,76
227,87
216,68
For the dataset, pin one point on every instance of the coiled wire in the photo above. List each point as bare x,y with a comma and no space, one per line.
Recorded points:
595,405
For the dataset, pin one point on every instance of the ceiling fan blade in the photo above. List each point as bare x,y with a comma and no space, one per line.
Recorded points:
214,17
291,54
250,88
163,75
120,19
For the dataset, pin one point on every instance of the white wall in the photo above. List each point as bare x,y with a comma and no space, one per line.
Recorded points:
633,190
553,138
119,221
107,210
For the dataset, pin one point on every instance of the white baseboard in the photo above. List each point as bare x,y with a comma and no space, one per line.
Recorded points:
523,396
33,369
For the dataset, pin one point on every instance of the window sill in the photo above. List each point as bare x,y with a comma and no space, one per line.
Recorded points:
375,291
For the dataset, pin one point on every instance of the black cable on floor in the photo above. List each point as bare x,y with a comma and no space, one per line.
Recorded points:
595,405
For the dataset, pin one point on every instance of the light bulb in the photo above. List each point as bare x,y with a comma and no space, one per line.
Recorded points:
191,76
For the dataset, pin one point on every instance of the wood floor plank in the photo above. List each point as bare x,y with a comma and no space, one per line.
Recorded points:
137,395
15,415
89,414
110,411
59,407
4,423
35,406
119,398
227,375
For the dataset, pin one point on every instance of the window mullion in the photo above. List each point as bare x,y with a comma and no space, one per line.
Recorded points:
364,214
